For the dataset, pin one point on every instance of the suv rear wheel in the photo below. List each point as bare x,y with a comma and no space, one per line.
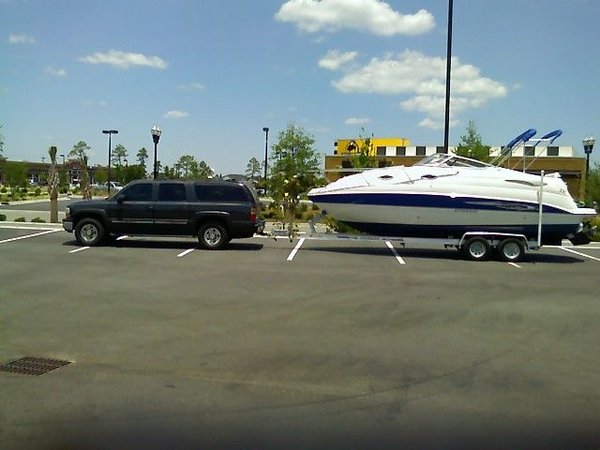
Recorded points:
89,232
212,236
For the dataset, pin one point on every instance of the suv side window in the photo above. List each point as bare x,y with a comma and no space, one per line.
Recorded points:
220,193
141,192
171,192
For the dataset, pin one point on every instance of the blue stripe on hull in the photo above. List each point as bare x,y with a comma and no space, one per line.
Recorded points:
432,201
551,234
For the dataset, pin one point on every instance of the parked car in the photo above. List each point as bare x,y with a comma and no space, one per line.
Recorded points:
214,211
115,186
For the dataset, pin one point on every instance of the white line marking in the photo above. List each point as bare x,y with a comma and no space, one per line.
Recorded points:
398,257
514,265
580,254
15,227
27,236
189,250
296,248
80,249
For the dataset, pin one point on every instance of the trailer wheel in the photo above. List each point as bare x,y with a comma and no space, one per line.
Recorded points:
476,249
511,250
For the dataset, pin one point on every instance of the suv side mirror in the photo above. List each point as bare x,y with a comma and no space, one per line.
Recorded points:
120,199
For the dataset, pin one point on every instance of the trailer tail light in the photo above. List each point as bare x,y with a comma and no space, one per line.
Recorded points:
253,214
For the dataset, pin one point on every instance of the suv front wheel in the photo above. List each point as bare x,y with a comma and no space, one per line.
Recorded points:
89,232
212,236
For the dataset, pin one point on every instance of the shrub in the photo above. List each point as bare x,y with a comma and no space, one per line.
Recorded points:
38,220
2,217
3,190
20,219
38,191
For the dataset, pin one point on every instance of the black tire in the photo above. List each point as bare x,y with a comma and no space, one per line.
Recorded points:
511,250
212,236
476,249
89,232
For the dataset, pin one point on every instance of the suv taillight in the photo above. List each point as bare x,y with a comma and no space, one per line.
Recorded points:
253,214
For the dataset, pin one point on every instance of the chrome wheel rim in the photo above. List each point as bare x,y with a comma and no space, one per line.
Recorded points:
511,250
89,233
477,249
212,236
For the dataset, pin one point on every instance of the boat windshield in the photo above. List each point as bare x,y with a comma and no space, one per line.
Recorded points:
449,160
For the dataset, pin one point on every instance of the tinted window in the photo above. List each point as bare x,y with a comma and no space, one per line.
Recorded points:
553,151
171,192
380,151
141,192
216,193
401,151
421,150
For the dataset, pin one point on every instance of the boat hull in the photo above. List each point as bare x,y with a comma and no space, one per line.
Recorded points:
447,216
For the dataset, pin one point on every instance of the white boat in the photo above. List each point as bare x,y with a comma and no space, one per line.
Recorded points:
446,196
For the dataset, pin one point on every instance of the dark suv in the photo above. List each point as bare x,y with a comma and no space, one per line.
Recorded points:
215,211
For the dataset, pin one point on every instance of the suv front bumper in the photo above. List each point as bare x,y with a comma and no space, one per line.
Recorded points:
68,225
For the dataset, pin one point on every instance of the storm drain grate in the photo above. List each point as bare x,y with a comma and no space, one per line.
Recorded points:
30,365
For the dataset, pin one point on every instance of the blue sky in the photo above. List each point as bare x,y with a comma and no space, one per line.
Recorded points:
212,74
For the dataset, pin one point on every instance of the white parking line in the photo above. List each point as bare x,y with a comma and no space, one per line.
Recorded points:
514,265
189,250
27,236
296,248
579,253
398,257
80,249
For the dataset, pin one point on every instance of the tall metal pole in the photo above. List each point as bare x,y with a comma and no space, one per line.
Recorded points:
266,130
110,133
448,73
155,131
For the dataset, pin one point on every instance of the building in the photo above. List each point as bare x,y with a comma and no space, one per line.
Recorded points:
399,151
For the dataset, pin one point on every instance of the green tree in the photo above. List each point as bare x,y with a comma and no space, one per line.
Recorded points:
187,165
294,168
133,172
592,186
15,174
101,175
254,169
79,152
471,145
119,155
1,145
364,158
142,156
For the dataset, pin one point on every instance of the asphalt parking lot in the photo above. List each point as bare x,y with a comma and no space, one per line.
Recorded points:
301,344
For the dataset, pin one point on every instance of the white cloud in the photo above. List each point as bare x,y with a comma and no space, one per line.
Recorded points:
334,59
95,103
423,79
124,60
49,70
175,114
372,16
357,121
436,124
195,86
21,39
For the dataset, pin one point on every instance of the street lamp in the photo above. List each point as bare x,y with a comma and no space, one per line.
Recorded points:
588,146
155,131
110,133
266,130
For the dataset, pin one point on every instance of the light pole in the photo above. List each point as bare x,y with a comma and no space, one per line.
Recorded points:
448,75
110,133
155,131
588,146
266,130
